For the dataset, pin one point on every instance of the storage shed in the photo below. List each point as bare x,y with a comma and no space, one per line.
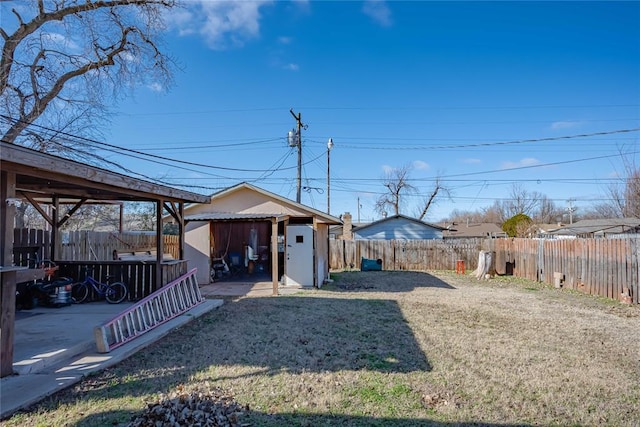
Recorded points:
259,231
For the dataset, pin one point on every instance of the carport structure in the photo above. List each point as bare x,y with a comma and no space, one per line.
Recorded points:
41,179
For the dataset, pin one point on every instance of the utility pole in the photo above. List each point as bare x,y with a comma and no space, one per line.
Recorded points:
299,144
571,209
329,147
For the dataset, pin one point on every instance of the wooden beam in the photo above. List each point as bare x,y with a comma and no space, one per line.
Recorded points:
172,208
121,218
38,191
274,255
314,252
37,207
71,211
159,245
55,230
181,230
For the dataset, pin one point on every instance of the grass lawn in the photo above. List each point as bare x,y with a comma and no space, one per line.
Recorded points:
387,349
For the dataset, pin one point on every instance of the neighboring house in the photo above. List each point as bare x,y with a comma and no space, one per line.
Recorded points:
344,231
590,228
543,230
472,230
259,231
398,227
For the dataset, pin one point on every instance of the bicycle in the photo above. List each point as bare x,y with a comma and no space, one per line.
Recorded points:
114,293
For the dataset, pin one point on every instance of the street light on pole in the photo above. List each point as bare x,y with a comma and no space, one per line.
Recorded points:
329,147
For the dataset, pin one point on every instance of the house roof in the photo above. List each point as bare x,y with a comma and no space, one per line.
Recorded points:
321,216
483,229
399,216
599,226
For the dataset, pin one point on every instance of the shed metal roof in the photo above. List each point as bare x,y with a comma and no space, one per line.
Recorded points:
230,216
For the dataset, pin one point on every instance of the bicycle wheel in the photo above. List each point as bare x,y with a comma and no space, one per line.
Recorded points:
116,293
79,292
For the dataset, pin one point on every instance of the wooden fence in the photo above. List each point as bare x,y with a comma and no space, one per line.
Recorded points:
604,267
82,249
85,245
405,254
99,246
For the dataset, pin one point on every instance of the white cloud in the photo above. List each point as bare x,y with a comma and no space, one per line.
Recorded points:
222,24
379,11
471,161
566,125
60,40
527,161
420,165
156,87
128,56
181,20
387,169
292,67
284,40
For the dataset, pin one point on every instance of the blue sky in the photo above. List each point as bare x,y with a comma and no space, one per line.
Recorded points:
452,89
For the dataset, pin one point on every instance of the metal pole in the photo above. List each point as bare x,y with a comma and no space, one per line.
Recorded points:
329,147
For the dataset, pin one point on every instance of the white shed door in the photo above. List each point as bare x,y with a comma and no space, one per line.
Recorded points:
196,249
299,252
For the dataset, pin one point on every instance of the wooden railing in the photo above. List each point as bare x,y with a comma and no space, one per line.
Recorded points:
161,306
140,276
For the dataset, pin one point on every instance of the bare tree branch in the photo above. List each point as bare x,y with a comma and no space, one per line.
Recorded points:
107,43
438,187
396,181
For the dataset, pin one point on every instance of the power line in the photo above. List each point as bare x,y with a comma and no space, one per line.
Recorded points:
487,144
112,147
357,108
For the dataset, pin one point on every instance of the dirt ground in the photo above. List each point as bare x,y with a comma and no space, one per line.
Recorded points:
388,348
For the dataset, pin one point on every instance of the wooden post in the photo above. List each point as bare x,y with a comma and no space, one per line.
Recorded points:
181,230
55,229
7,277
274,255
159,246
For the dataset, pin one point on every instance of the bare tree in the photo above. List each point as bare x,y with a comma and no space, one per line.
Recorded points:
93,217
396,181
623,197
522,201
430,200
632,191
547,212
61,59
493,214
140,216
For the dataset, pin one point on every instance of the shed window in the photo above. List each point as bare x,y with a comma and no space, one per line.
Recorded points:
299,239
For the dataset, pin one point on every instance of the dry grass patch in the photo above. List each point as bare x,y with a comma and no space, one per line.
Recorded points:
388,348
